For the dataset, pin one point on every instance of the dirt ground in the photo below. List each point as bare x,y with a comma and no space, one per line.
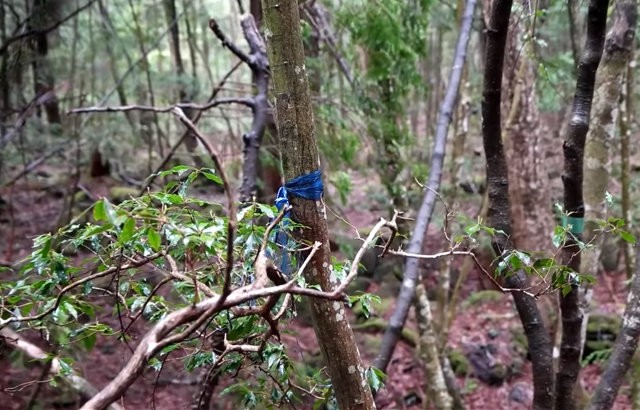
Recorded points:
30,210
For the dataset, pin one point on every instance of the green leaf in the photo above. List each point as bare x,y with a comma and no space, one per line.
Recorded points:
212,177
608,198
46,246
198,360
242,327
627,237
127,230
168,199
89,341
169,349
65,366
178,169
616,222
543,263
155,364
472,229
69,308
267,210
154,239
99,211
375,377
559,236
110,212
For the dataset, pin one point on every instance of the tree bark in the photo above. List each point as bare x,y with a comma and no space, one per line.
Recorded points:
609,85
498,202
627,118
428,352
572,178
299,157
529,194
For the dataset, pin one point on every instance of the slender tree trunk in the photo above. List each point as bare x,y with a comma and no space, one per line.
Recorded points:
300,157
623,350
184,94
429,353
498,203
109,34
609,83
411,275
42,70
146,119
530,201
575,30
5,88
627,119
572,178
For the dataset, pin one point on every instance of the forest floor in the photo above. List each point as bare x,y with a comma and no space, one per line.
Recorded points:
491,324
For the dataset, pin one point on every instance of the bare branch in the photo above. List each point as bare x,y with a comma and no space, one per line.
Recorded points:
213,25
247,102
175,273
195,120
231,206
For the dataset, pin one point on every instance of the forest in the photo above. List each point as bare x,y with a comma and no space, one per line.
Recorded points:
319,204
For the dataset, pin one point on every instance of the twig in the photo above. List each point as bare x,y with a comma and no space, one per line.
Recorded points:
174,273
316,18
213,25
34,164
353,270
231,206
146,302
195,120
247,102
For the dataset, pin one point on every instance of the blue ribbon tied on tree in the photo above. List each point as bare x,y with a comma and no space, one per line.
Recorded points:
308,186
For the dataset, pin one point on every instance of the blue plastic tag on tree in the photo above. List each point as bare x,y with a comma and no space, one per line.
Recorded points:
308,186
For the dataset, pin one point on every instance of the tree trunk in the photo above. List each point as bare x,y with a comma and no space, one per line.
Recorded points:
42,71
572,178
627,118
184,94
300,157
575,29
609,83
623,349
428,352
529,195
411,272
498,203
5,88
